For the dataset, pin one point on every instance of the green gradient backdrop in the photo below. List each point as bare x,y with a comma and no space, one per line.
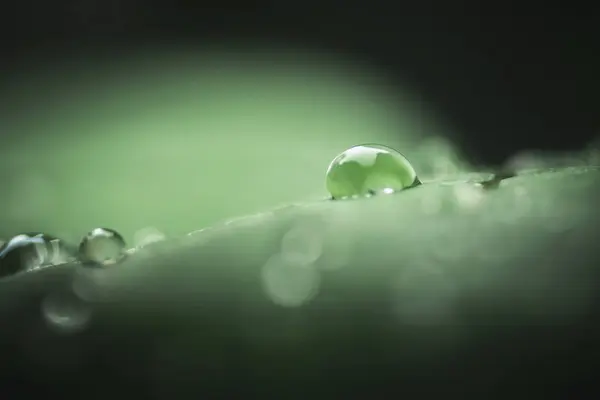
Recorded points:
179,139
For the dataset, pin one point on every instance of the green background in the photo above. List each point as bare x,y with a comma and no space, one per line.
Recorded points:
180,139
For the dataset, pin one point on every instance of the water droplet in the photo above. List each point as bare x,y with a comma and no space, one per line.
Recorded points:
32,251
102,247
66,313
369,169
288,284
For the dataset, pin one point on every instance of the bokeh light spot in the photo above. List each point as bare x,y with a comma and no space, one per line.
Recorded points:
288,284
302,244
66,313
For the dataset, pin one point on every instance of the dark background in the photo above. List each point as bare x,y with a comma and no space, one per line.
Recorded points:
507,78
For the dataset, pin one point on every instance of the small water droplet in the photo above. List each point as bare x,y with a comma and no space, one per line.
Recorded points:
102,247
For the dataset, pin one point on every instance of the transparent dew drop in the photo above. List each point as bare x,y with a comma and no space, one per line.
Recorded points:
102,247
65,313
288,284
369,169
32,251
19,254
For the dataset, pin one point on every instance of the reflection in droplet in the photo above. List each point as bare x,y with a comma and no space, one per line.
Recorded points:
147,236
32,251
288,284
369,169
66,313
302,244
102,247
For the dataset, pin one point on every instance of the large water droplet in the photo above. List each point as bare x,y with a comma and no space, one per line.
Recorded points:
102,247
31,251
369,169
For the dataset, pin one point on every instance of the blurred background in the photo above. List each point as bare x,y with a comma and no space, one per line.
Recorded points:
176,115
158,118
